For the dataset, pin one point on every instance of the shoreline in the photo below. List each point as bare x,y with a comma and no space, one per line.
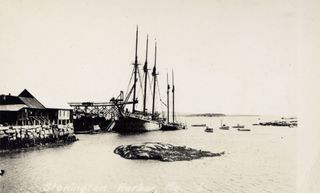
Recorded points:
38,147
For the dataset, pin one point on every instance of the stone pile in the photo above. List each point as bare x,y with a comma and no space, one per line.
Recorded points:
14,137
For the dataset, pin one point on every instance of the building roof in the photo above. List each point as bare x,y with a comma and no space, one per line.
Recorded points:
15,107
32,103
10,100
26,93
24,100
28,99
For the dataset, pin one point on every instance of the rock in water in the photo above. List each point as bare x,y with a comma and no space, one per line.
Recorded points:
162,152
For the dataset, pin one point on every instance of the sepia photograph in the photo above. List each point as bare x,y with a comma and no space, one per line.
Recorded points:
149,96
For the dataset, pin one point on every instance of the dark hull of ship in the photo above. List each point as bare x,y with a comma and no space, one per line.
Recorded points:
238,126
171,127
199,125
224,128
89,124
135,124
209,130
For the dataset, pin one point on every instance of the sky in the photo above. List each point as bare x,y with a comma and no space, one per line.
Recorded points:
233,57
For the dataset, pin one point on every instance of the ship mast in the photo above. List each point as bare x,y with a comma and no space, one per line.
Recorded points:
168,102
172,96
154,74
135,73
145,69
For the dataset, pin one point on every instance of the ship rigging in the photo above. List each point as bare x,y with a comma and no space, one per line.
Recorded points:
140,120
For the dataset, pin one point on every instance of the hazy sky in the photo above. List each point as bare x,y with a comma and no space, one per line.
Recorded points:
228,56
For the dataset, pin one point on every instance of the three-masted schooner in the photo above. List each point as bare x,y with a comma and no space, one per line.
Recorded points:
139,121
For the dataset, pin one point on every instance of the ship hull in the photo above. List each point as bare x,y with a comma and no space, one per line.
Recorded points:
88,124
136,124
224,127
171,127
238,126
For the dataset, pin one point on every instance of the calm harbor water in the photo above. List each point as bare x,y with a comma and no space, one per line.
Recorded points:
262,160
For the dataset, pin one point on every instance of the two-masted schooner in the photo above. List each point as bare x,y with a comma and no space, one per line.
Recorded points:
171,125
139,121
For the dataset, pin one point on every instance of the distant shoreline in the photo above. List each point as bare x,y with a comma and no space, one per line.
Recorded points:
228,115
204,115
243,115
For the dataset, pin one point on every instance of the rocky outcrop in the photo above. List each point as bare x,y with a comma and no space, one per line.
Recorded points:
162,152
292,123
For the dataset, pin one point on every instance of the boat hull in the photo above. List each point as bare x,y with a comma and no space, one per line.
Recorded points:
224,128
135,124
238,126
209,130
171,127
199,125
89,124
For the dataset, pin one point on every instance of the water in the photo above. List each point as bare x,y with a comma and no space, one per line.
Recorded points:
262,160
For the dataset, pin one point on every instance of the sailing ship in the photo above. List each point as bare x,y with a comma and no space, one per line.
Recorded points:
171,125
139,121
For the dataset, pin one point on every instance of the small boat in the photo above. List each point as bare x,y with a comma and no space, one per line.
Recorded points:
238,126
224,127
244,130
199,125
208,129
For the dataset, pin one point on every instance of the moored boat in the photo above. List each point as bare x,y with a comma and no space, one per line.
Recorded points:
199,125
224,127
209,129
238,126
172,126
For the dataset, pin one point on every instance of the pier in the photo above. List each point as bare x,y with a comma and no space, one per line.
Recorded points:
90,117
